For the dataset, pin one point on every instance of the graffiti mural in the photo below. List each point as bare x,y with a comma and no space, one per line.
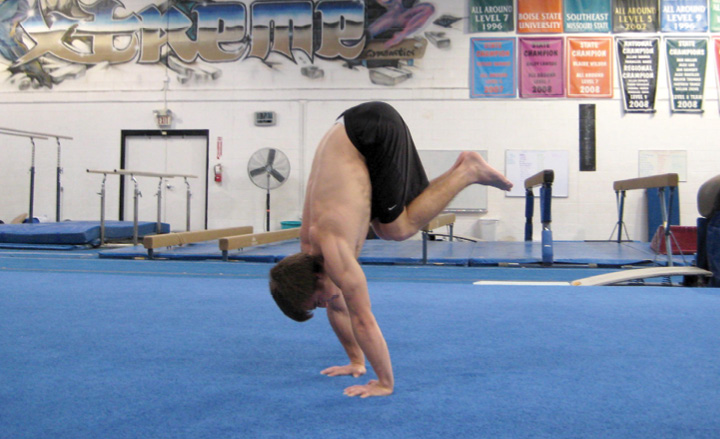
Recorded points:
46,42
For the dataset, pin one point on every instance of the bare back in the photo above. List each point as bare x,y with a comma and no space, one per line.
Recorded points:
337,200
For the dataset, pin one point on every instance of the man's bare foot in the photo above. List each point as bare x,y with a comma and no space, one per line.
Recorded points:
484,173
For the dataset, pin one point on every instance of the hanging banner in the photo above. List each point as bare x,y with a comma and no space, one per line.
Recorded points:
686,60
714,15
684,16
589,67
492,16
492,68
540,16
587,16
635,16
638,69
541,67
716,47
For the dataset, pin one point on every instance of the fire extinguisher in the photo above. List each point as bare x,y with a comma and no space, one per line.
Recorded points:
218,173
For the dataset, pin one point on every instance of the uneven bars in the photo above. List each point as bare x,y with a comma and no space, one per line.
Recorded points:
35,134
151,174
29,136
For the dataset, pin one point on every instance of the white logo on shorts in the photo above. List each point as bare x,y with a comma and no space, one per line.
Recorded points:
391,208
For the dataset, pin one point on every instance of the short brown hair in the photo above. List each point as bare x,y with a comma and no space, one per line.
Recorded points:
293,281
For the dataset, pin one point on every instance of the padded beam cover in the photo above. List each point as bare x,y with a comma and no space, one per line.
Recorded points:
181,238
242,241
439,221
542,177
661,180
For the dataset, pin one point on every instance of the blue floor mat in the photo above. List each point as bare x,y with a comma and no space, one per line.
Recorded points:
605,253
155,355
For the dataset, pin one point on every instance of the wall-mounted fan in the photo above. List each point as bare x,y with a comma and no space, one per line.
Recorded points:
268,169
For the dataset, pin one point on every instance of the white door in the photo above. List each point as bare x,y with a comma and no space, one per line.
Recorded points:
171,154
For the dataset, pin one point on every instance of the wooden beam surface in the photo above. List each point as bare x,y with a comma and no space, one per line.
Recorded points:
652,181
542,177
181,238
443,219
237,242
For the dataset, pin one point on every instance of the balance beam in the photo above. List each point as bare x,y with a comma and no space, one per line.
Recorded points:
237,242
660,182
640,273
444,219
151,242
653,181
543,177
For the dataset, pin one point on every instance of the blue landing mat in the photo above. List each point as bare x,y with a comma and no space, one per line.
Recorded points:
211,357
73,232
571,252
374,252
604,254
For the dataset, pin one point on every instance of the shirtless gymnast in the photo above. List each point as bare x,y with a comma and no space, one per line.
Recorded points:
365,171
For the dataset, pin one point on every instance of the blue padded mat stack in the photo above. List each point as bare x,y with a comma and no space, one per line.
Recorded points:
712,244
73,232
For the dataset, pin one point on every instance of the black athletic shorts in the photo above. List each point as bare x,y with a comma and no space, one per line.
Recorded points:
397,176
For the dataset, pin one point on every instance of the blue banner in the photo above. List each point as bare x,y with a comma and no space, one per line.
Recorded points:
684,16
492,68
587,16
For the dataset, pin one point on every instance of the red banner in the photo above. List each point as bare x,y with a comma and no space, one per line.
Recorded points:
589,67
540,16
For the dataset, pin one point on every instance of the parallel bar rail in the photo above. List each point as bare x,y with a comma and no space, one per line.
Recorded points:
43,136
137,195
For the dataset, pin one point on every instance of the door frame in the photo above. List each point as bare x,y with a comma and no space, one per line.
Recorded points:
125,134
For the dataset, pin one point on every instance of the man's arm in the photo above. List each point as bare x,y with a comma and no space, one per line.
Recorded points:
339,318
344,270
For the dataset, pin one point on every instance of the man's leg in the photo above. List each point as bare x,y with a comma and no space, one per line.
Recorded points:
470,168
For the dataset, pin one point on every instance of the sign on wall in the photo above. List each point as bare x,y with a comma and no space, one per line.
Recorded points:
638,69
492,68
522,164
540,16
492,16
635,16
684,16
141,42
716,48
686,59
589,67
654,162
541,67
587,16
714,15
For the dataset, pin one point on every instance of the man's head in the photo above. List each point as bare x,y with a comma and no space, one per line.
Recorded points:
293,281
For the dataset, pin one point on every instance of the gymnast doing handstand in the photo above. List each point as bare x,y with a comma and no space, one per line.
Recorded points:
366,170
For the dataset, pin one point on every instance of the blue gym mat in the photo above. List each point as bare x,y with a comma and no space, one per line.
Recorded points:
603,254
118,349
73,232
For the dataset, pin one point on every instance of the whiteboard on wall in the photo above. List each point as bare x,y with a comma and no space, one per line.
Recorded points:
471,199
519,165
662,162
